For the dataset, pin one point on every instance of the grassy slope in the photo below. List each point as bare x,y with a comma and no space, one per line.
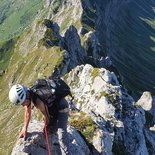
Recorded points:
24,67
67,15
16,16
6,52
24,70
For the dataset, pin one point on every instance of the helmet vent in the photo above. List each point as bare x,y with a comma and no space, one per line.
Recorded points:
18,87
20,93
22,96
18,101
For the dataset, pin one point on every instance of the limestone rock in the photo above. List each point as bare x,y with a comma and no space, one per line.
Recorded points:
35,143
145,101
98,93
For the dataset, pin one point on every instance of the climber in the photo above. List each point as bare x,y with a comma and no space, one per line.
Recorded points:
56,116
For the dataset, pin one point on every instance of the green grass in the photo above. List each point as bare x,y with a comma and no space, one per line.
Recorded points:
17,16
56,4
67,20
84,124
74,83
95,72
83,41
101,94
39,62
6,51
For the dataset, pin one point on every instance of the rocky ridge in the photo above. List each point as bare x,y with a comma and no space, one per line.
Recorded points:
122,125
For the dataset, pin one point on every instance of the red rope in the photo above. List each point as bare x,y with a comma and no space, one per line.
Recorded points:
46,136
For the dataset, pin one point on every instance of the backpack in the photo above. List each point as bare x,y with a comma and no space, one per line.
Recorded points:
50,90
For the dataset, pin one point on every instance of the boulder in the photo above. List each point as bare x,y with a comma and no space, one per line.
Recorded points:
35,142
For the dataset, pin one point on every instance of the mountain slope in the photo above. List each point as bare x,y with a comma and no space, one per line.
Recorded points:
69,33
16,16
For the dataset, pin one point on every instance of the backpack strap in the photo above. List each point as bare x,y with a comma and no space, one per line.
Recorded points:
33,97
47,112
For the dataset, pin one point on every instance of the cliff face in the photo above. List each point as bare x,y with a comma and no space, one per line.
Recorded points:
126,32
123,128
119,126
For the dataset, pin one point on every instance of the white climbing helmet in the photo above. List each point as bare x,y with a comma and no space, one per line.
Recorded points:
17,94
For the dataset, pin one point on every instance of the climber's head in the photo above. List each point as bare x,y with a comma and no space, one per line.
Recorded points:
17,94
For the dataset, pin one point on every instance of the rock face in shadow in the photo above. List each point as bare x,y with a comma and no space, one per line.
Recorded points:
126,31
